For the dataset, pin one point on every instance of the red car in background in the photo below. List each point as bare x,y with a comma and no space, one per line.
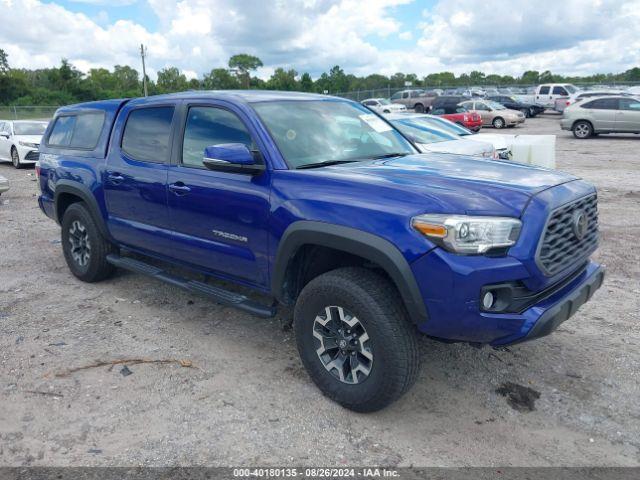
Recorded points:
448,107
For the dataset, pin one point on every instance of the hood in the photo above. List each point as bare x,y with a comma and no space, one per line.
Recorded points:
456,183
29,138
500,142
458,147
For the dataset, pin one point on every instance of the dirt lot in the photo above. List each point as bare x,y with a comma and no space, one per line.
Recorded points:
247,400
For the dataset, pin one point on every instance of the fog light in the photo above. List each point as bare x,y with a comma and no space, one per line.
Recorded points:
487,300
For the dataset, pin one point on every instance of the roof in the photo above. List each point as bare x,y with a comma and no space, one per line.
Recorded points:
244,96
237,96
35,120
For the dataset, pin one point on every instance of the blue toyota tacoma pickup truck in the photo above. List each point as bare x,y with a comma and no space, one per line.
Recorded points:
322,206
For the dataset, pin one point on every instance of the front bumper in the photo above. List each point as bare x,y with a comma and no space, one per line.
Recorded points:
451,287
28,155
515,120
565,308
565,123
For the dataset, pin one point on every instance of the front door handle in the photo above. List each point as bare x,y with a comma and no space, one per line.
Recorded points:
179,188
115,178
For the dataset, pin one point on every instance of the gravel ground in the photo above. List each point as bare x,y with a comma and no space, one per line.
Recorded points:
246,400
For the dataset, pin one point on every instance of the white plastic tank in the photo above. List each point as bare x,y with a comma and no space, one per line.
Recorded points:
539,150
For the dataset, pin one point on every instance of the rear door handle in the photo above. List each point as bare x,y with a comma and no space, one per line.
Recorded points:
115,178
179,188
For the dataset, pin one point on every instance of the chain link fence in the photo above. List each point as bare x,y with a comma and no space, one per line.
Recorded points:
27,112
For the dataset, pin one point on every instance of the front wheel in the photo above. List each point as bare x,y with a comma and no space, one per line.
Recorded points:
498,122
85,248
15,158
354,339
582,129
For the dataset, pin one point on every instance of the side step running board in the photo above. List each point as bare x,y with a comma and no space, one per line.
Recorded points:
219,295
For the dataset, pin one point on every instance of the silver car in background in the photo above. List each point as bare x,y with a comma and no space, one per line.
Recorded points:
382,105
609,114
428,138
561,103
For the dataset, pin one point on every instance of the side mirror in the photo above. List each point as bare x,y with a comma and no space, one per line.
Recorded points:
231,157
4,134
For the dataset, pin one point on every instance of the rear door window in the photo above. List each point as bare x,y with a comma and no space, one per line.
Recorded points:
544,90
602,104
147,134
80,131
629,104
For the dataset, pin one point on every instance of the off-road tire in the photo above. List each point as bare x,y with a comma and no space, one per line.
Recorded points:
393,339
96,268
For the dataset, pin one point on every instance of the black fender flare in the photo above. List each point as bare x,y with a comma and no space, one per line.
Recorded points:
357,242
81,191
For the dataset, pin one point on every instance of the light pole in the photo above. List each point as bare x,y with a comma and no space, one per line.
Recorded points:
143,54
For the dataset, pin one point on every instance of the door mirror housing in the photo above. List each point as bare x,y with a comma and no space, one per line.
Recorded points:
233,158
5,134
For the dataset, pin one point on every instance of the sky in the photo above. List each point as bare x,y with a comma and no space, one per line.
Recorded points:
506,37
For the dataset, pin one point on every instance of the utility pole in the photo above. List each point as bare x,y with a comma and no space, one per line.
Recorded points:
143,54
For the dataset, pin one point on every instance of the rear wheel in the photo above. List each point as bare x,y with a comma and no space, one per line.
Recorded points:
526,112
15,158
582,129
418,108
85,249
498,122
354,339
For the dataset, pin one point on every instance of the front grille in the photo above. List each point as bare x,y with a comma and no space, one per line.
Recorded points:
560,246
32,155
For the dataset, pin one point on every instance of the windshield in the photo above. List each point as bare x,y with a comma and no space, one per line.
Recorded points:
29,128
384,101
495,105
318,131
570,88
421,133
444,124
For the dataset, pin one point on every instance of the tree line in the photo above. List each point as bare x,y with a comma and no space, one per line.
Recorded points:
66,84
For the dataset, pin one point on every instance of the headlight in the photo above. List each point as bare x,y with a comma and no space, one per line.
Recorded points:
29,144
468,235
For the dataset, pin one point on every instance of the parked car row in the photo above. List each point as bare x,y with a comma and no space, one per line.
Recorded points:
20,141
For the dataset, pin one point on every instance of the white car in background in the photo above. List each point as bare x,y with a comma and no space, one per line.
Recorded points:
500,142
428,138
20,141
382,105
635,91
547,93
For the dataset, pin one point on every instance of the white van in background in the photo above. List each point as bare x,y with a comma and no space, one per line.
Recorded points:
547,93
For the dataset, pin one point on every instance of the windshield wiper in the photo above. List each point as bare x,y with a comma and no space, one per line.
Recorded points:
324,164
389,155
